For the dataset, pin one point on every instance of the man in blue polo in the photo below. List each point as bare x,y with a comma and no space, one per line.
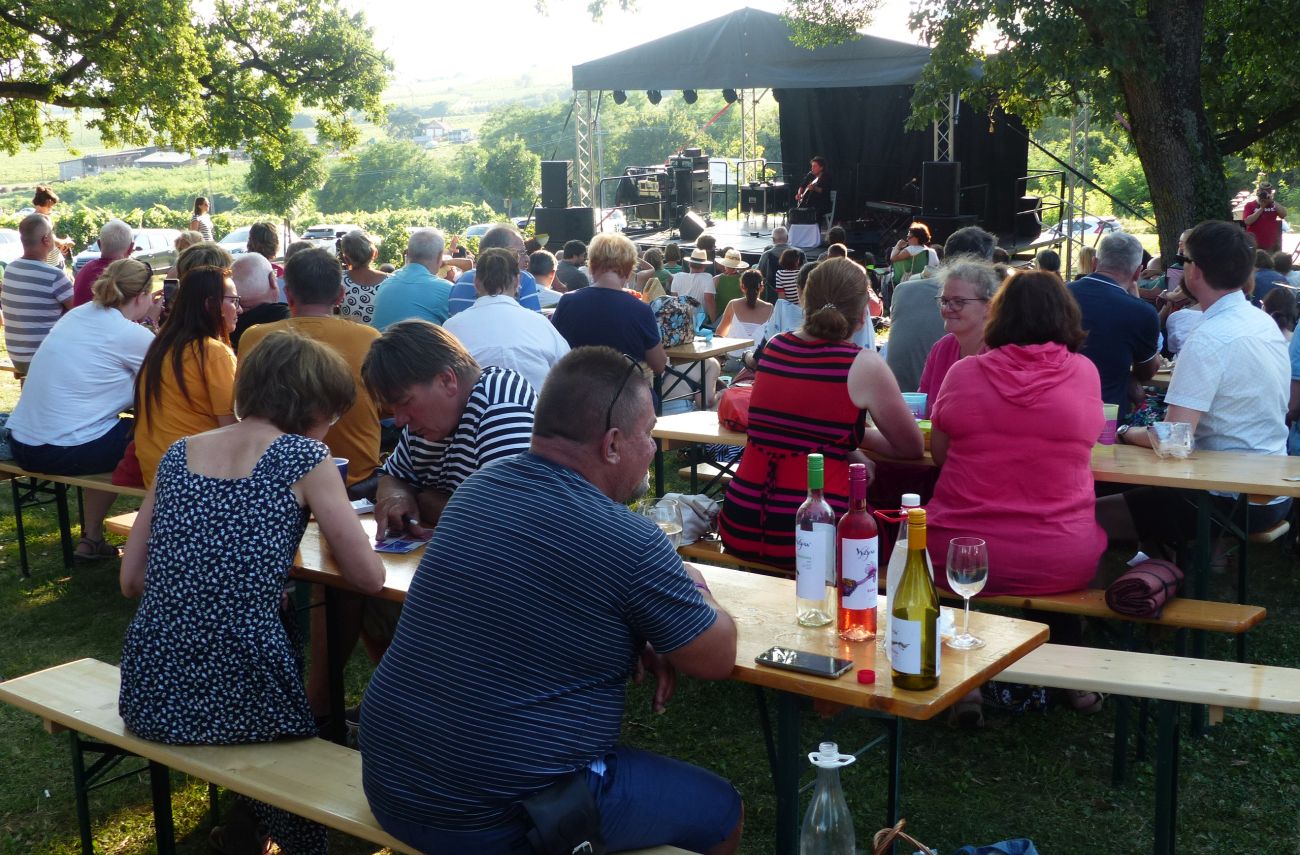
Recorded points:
507,672
505,237
416,291
1123,330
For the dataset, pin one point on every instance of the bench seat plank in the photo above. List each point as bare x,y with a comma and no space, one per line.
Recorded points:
1167,678
311,778
100,481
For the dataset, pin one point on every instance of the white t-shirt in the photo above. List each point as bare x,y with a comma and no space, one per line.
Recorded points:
496,330
693,285
1179,325
81,378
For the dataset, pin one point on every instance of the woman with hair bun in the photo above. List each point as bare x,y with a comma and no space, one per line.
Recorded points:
812,389
82,377
360,281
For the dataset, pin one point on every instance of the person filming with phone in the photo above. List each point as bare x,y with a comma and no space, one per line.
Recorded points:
504,686
1263,218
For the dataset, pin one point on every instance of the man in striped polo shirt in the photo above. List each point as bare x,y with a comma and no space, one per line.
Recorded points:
35,294
536,599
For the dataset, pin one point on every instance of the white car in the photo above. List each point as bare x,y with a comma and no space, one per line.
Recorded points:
325,236
478,230
236,242
11,247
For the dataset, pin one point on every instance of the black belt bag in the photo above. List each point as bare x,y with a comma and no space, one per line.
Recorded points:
565,819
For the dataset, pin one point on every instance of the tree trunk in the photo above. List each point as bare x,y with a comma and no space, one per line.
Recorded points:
1171,131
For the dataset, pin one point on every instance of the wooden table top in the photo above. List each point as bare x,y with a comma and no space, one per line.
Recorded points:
1161,379
701,349
763,609
698,426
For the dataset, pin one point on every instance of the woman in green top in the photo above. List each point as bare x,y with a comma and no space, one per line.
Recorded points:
672,260
726,286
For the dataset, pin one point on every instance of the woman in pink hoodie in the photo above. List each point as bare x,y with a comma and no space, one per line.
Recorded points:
1014,429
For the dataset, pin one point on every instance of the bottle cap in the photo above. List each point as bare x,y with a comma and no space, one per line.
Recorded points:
866,676
828,756
815,463
911,500
915,517
857,471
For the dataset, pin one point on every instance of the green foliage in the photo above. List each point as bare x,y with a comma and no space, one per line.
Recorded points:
1123,177
280,181
403,124
383,174
159,71
820,22
512,172
125,189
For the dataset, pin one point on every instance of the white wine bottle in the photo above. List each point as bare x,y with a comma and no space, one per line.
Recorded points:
814,552
914,620
897,561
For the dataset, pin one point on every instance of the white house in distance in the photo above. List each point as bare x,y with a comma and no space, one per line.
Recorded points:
164,160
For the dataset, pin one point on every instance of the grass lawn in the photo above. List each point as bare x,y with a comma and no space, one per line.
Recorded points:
1041,776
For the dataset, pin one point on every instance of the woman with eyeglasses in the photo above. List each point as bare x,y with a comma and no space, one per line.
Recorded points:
206,659
1013,430
67,421
186,385
965,288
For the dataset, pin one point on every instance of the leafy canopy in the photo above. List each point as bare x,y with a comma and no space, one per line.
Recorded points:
155,71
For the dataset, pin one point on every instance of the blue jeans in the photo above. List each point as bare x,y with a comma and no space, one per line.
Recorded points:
89,458
644,800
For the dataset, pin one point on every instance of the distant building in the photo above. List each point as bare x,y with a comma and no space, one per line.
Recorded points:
94,164
164,160
433,129
460,135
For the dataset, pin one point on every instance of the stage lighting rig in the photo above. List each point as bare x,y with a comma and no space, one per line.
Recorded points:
689,96
729,95
620,97
654,96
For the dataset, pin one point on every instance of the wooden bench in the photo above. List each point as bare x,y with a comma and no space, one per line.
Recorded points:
711,475
38,488
711,552
308,777
1169,680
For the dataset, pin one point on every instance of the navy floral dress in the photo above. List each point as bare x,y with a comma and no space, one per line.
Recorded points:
206,659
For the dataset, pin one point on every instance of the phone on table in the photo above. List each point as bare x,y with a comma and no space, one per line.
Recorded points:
816,664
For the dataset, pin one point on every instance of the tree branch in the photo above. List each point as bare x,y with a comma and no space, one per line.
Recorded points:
1231,142
55,38
43,93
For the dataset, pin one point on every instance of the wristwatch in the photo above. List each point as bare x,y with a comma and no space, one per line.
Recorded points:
1121,432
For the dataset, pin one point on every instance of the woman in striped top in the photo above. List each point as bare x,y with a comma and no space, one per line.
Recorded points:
811,392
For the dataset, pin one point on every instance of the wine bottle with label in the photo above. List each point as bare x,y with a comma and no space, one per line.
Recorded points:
857,548
814,552
897,561
914,621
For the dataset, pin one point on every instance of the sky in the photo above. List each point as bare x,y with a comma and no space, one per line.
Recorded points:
492,39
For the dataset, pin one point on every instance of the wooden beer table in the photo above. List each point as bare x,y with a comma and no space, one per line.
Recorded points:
698,350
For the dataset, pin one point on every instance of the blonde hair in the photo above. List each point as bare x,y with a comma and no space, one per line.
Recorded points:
187,239
609,251
121,282
834,299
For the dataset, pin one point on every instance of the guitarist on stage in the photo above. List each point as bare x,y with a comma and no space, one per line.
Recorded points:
814,190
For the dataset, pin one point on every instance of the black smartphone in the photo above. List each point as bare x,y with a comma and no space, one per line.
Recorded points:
169,292
817,664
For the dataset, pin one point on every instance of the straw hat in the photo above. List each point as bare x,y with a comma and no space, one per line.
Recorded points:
734,261
699,256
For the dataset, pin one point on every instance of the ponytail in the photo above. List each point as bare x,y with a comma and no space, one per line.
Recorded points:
834,300
120,283
751,282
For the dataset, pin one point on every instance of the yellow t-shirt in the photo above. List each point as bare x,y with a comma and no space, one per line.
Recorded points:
356,434
211,394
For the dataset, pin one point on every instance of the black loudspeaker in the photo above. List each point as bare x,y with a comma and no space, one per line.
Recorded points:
802,216
941,228
691,226
940,186
565,224
1029,217
683,188
555,183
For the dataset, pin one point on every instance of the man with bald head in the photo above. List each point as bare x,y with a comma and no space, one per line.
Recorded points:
506,237
771,260
259,294
416,291
116,240
35,294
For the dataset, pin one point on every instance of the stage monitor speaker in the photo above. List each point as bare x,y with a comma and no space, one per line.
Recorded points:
940,187
1029,217
565,224
555,183
941,228
692,226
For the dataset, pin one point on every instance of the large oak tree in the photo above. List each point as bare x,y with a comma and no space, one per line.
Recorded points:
1194,80
158,71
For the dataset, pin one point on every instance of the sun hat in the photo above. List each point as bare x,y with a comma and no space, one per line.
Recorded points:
734,261
699,256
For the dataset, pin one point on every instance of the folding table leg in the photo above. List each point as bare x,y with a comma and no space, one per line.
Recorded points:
160,786
894,725
337,730
80,794
65,523
1166,778
787,773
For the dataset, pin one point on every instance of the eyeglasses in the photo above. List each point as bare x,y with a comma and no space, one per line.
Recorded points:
957,303
632,367
1183,259
234,298
148,269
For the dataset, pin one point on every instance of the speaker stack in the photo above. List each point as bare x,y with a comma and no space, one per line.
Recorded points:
562,225
555,183
940,187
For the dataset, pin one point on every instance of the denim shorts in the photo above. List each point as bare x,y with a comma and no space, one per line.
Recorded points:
89,458
644,800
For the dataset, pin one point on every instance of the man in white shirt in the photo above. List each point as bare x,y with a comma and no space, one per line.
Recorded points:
1231,384
698,283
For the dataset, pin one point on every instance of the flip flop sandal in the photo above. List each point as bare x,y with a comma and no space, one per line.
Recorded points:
95,550
1087,703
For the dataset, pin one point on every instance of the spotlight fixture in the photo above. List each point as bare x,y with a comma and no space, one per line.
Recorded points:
729,95
689,96
654,95
620,97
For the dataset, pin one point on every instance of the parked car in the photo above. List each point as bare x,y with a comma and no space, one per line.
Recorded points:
156,247
1089,226
237,241
11,247
326,235
477,231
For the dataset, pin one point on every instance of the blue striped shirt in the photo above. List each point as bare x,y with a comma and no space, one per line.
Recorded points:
497,423
520,630
32,302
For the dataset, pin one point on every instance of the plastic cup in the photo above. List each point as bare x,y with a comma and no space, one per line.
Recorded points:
1172,439
342,464
1111,414
916,402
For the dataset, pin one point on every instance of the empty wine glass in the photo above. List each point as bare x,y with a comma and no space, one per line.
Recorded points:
968,570
667,514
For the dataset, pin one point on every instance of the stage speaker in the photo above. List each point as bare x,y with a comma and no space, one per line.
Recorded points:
566,224
941,228
1029,217
555,183
802,217
683,188
940,187
691,226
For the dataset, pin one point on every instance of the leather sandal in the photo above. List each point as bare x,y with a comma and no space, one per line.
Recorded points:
95,550
1088,703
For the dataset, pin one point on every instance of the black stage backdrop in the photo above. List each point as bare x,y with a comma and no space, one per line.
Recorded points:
871,158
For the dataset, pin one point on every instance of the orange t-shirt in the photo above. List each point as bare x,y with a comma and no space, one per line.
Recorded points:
356,434
211,394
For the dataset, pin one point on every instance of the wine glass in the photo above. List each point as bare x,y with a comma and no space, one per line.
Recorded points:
667,514
968,570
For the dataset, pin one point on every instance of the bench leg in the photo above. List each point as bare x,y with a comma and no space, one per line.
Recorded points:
337,729
1119,752
18,524
160,786
893,807
1166,827
80,794
65,523
786,773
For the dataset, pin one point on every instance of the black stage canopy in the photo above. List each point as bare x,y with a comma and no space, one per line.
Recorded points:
847,102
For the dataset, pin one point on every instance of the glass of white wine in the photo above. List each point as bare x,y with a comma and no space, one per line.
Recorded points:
667,514
968,570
